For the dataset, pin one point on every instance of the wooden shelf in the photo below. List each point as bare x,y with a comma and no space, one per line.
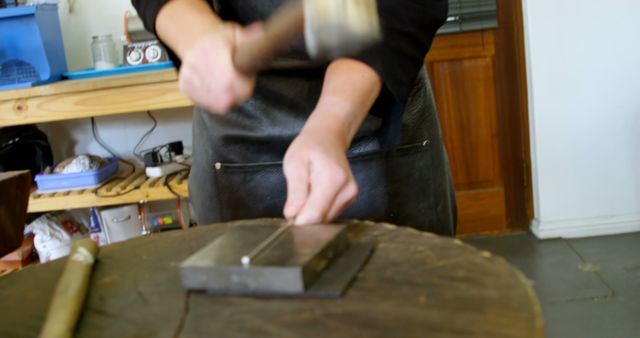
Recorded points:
129,189
73,99
111,95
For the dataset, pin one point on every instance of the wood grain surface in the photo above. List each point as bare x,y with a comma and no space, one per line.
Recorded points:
414,285
72,99
462,70
130,189
479,80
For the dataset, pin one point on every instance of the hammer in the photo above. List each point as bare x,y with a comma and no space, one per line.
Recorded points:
331,28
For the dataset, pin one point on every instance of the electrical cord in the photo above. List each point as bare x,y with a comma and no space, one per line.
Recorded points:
96,136
161,154
166,181
144,137
138,154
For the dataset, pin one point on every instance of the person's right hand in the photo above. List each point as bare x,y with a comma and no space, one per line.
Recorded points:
208,75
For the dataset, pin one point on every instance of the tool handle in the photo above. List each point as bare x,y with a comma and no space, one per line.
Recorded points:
282,29
71,291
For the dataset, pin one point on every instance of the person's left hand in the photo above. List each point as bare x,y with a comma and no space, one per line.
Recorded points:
320,185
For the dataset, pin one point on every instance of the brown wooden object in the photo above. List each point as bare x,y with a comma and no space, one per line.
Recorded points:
280,31
480,88
14,196
414,285
110,95
463,75
513,113
130,189
71,291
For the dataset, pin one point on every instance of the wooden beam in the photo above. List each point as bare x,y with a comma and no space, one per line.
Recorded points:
68,100
123,190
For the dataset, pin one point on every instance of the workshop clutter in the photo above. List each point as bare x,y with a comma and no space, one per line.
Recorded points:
165,159
31,51
54,233
142,46
158,216
76,173
24,148
116,224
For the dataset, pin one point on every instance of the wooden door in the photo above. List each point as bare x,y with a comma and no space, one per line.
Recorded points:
478,81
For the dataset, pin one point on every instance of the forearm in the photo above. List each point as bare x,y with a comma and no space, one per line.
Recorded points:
349,91
181,23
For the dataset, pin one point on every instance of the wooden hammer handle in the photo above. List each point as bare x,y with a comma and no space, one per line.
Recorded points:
282,29
71,291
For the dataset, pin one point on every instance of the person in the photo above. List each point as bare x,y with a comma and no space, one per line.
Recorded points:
356,137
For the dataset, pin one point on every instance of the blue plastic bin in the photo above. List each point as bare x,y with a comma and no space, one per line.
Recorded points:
31,47
87,179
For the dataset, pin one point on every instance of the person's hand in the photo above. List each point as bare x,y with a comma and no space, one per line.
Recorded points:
208,75
320,185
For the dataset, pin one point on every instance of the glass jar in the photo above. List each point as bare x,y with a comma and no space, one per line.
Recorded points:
104,52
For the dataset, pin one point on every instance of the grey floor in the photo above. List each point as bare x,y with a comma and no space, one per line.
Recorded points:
587,287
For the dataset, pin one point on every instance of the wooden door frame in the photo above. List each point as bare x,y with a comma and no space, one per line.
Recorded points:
505,47
513,115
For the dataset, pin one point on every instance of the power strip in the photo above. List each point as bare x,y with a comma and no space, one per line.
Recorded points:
168,168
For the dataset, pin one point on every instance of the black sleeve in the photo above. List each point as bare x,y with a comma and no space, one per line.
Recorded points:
408,28
148,11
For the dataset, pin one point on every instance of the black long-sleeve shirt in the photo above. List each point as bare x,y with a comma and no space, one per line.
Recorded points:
408,28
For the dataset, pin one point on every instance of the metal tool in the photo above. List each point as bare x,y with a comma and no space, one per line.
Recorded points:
246,260
331,28
265,259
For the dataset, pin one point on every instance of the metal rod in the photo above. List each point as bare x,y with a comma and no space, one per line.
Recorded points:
246,260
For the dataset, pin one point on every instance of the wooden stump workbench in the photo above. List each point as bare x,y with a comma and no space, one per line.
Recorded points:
414,285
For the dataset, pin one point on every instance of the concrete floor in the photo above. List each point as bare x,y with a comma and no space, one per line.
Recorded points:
587,287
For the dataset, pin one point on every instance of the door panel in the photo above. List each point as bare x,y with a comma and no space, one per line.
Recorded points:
467,105
481,210
461,67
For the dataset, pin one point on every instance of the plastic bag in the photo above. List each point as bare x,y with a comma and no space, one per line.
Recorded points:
54,234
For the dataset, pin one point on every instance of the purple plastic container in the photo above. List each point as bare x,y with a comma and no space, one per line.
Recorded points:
87,179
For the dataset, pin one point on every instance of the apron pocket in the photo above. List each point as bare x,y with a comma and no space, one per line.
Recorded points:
410,187
395,186
252,190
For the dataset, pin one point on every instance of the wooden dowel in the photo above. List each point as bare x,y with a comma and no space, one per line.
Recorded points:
71,291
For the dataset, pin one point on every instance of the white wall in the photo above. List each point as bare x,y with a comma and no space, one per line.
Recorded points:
583,64
122,132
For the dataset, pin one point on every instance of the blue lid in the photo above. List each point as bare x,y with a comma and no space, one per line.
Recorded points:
17,11
91,72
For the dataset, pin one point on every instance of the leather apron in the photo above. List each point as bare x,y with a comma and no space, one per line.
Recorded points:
237,157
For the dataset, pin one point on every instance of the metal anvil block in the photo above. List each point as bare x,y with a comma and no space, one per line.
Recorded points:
287,266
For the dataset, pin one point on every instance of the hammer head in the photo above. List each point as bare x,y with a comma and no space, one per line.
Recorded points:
335,28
